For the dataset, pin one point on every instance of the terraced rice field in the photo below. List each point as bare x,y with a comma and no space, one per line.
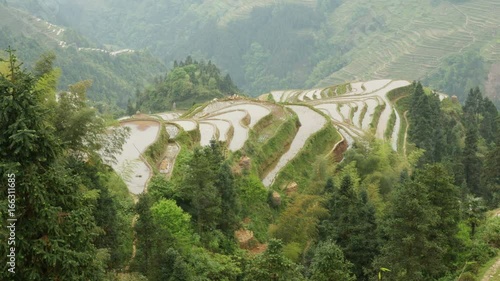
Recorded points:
384,117
255,111
207,132
240,131
371,104
357,115
353,112
169,116
172,130
416,43
311,123
186,125
167,164
332,110
129,165
277,95
223,127
345,110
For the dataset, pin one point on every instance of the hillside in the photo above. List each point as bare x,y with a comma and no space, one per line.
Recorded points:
358,111
316,184
329,42
278,140
116,74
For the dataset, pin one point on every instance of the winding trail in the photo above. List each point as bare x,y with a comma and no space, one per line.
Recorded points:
491,271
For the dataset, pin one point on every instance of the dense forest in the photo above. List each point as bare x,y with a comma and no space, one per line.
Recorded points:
419,215
73,212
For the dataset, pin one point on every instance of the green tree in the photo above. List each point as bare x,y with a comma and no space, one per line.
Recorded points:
273,265
145,233
55,226
174,267
491,174
351,224
444,198
470,160
329,263
44,65
170,218
426,129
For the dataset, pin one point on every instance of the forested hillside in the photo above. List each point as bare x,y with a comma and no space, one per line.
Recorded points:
257,140
188,83
268,44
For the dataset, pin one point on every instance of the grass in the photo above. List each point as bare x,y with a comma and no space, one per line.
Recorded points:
363,113
404,124
376,115
195,108
390,125
343,88
353,110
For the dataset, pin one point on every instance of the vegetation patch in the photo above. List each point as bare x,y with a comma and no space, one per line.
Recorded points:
390,125
353,110
362,114
269,152
376,115
343,88
401,106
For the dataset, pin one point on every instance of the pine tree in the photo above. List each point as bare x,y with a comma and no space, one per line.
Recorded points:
145,231
490,177
444,198
471,161
406,228
230,207
272,265
351,225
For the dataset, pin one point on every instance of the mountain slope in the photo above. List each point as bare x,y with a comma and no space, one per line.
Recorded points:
116,74
296,44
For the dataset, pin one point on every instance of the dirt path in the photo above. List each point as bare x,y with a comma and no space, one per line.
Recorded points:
134,248
491,271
